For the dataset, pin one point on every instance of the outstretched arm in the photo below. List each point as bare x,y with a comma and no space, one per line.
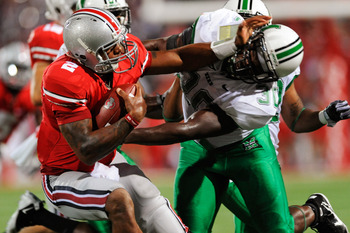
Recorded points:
301,120
202,124
169,42
155,44
296,117
194,56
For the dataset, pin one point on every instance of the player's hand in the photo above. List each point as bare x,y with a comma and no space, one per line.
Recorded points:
135,105
247,27
336,111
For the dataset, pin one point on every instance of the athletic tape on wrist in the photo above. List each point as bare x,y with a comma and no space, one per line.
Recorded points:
322,118
134,123
224,48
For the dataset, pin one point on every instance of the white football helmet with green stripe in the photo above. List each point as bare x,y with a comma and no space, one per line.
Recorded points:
271,53
284,48
247,8
119,8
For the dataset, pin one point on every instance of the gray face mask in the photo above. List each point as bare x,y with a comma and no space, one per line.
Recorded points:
251,63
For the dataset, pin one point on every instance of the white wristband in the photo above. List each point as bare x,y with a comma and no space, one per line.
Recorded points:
224,48
325,119
322,118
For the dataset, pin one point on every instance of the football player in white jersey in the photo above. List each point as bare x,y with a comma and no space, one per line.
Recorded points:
193,156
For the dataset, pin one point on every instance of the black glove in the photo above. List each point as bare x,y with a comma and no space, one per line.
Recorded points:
336,111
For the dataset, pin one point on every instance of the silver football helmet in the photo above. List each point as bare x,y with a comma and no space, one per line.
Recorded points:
272,53
15,70
59,10
247,8
90,33
119,9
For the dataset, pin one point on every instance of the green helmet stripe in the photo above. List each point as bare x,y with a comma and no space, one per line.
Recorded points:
80,4
243,4
271,26
290,51
292,57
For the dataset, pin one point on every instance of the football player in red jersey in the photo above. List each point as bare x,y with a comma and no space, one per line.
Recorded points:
82,177
45,40
17,114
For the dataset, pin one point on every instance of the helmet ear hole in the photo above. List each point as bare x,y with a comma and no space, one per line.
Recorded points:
82,57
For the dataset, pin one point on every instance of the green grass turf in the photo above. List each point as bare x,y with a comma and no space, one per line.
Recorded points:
299,187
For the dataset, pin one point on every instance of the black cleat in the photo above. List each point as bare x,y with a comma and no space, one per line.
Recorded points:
28,202
326,221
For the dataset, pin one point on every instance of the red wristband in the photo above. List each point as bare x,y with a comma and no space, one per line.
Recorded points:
131,120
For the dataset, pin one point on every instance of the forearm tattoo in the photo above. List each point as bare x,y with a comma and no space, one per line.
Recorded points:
98,143
295,108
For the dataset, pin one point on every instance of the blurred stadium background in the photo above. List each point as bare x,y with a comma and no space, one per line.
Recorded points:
313,162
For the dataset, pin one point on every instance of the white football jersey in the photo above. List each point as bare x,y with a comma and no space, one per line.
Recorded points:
251,106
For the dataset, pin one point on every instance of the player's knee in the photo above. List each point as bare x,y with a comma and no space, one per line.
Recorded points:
119,205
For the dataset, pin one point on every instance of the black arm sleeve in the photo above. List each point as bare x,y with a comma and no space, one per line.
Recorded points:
171,42
185,36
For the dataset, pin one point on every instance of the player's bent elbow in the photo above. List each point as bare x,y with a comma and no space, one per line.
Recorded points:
85,156
86,160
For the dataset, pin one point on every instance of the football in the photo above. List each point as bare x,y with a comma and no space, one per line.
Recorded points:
113,108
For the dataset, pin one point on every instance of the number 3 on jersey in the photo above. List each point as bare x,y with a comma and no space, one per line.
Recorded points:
271,96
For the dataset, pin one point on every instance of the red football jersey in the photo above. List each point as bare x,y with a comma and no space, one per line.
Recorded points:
16,103
44,42
72,92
